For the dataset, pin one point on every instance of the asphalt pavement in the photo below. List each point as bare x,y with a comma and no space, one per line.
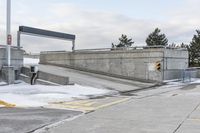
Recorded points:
167,109
27,120
19,120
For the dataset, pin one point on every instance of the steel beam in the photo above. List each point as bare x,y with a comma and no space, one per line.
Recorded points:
45,33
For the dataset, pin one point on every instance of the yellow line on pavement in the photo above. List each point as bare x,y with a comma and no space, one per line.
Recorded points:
8,105
112,103
87,105
79,107
80,103
194,119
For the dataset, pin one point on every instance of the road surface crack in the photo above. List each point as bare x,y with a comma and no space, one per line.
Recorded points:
188,116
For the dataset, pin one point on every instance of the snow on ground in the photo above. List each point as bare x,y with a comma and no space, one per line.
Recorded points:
3,83
25,95
182,89
181,83
31,61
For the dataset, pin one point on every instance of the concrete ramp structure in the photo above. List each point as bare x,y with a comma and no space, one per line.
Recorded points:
135,64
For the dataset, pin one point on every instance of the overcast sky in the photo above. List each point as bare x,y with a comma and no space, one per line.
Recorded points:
98,23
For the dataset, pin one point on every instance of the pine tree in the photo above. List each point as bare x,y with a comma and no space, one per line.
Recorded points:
124,41
113,45
173,45
183,45
155,38
194,50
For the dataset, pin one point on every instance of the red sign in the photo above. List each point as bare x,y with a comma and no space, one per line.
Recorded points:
9,39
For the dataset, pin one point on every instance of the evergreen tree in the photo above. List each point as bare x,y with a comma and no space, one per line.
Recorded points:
113,45
183,45
124,41
173,45
194,50
155,39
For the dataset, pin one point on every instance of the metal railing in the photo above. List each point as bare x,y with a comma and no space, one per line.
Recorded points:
48,52
116,49
188,74
130,48
16,47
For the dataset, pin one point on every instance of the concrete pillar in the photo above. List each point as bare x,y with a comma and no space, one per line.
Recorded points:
73,45
8,74
18,39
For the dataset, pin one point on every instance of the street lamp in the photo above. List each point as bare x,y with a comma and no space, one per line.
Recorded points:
8,71
8,29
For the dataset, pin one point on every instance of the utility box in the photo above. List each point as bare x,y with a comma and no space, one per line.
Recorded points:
8,74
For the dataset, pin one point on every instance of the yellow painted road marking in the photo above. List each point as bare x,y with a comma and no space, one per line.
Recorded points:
194,119
79,107
113,103
87,105
82,103
7,105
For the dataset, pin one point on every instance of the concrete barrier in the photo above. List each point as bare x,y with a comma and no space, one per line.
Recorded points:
44,78
136,64
197,72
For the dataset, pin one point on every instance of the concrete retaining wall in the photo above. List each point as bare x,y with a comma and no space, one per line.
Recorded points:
130,64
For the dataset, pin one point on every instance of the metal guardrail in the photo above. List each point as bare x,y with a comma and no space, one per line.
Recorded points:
115,49
130,48
48,52
16,47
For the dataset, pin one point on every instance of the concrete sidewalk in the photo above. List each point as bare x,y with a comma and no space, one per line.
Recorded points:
162,111
95,80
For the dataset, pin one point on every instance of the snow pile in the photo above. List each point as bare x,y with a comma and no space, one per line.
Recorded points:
3,83
25,95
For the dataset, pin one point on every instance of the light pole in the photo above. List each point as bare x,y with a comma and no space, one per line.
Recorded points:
8,70
8,29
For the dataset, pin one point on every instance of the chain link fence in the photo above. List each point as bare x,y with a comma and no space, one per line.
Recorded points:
188,74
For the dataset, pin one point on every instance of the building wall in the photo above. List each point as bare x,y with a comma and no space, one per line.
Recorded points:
132,64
